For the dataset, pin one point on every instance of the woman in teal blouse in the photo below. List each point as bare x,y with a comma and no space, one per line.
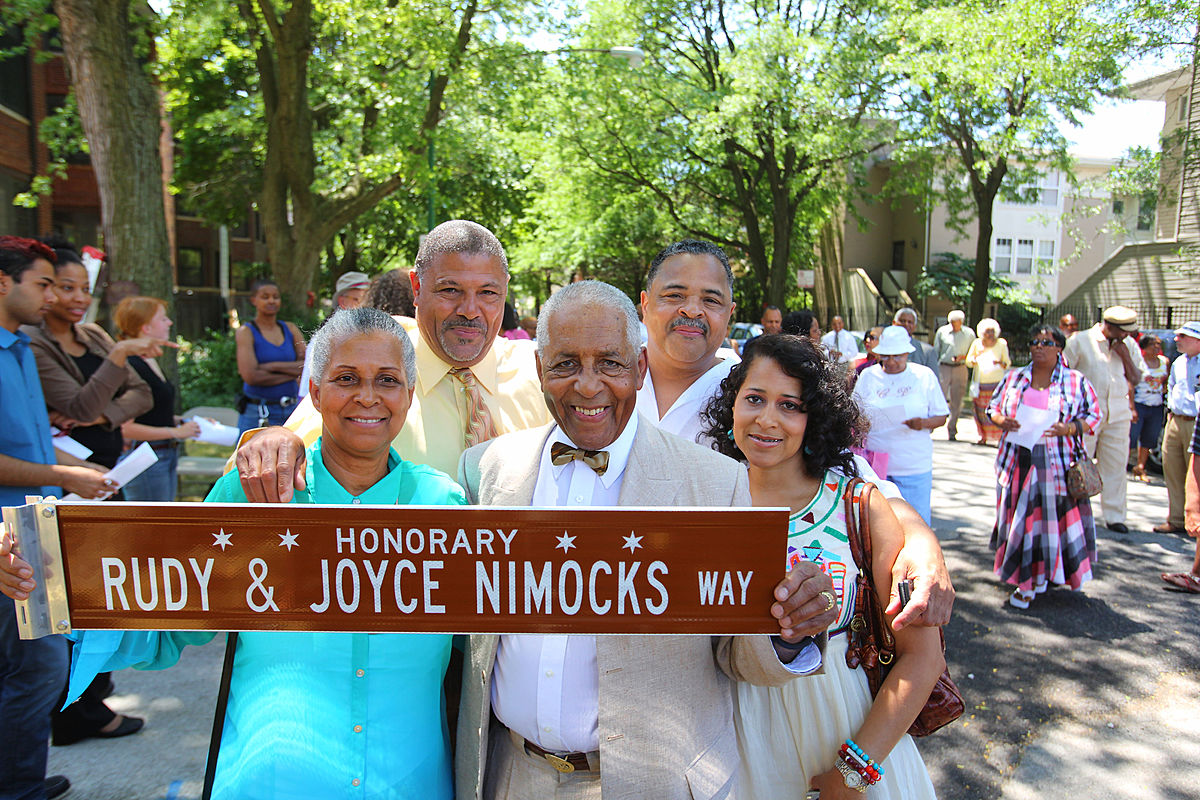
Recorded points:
329,715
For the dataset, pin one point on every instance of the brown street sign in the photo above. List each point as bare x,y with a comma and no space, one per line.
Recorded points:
205,566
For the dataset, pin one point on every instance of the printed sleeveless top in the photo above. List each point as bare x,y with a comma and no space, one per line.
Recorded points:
817,533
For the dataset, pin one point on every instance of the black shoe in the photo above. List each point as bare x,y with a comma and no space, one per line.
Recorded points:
1118,527
56,786
128,725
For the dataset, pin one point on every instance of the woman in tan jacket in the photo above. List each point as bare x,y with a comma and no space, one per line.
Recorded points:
89,386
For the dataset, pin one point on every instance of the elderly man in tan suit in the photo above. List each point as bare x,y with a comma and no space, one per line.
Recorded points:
1109,357
560,716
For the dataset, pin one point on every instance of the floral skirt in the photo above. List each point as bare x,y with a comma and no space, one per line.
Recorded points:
1040,536
988,430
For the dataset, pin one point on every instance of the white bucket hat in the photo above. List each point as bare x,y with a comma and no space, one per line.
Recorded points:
894,341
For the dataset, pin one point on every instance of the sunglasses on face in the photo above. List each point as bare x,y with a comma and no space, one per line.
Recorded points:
1042,343
869,338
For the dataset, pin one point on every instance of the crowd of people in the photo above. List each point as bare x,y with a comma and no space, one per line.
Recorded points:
470,403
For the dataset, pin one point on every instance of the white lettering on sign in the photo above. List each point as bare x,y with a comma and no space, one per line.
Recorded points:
175,583
544,587
710,581
415,541
347,585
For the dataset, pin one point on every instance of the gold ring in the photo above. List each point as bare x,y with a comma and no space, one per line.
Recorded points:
829,599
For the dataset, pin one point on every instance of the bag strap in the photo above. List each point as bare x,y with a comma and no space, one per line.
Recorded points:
214,742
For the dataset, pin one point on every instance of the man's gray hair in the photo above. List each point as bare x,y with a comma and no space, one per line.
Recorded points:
905,310
459,236
594,294
348,323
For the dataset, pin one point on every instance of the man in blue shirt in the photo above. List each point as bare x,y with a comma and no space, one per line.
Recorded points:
32,673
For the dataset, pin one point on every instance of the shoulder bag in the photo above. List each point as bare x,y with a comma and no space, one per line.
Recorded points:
1083,477
871,645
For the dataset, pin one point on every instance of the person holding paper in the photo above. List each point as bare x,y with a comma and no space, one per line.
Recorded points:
785,411
1042,535
904,404
988,358
85,375
147,316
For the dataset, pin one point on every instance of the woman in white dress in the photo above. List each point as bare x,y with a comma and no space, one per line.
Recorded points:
785,412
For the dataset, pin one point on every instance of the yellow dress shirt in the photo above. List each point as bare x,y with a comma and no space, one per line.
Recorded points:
434,432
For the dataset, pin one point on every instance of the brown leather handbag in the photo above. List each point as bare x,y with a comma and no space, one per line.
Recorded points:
871,645
1083,477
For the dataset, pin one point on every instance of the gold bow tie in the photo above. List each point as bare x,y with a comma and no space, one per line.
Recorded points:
561,454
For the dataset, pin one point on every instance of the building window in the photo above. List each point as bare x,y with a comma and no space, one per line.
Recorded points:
1145,219
1118,208
1043,192
1024,256
190,269
1045,256
14,74
1183,108
1002,259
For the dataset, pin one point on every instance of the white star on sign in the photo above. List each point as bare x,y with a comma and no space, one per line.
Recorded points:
222,539
566,542
288,540
632,541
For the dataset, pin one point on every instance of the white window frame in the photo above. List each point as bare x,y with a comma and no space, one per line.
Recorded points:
1002,262
1020,257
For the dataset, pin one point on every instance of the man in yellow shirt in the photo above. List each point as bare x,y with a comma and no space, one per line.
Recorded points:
471,384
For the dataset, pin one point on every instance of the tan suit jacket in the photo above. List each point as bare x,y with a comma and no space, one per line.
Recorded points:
666,724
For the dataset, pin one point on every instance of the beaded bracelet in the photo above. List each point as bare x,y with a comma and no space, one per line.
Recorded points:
857,759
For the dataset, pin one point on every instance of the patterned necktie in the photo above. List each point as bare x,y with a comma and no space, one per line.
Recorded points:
564,454
479,420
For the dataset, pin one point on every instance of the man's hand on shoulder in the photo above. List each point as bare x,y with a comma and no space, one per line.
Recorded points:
805,604
271,466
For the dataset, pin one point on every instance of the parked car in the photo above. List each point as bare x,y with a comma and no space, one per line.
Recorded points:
740,332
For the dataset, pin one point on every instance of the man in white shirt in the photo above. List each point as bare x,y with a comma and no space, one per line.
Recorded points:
1109,358
952,342
581,716
1183,388
687,303
840,342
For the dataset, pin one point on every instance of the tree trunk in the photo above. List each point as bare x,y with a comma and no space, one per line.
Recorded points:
983,262
120,112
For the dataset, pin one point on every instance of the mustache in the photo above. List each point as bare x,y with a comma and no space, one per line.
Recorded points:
681,322
463,322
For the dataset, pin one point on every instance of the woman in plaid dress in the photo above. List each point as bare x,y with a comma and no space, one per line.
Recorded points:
1042,536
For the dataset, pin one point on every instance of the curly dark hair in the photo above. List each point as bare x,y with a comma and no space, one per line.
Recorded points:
835,423
391,292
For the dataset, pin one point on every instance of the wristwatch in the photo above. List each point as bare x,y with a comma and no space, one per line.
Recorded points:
851,777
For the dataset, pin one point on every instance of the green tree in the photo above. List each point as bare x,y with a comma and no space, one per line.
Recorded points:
739,128
106,44
316,112
986,83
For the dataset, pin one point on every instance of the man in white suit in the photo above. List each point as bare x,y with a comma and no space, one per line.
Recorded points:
613,716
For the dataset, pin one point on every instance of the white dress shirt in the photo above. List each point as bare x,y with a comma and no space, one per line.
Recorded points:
683,417
1183,385
843,342
547,687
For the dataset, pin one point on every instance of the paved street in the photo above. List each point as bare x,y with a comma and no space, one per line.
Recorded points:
1085,696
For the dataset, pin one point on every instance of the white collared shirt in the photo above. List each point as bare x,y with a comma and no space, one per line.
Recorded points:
1183,385
842,341
683,417
547,688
